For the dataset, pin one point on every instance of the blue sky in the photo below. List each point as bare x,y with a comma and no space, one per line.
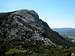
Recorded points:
57,13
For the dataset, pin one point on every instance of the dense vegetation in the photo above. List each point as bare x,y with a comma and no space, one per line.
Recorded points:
37,51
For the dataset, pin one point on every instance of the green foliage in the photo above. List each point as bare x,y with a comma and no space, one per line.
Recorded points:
40,52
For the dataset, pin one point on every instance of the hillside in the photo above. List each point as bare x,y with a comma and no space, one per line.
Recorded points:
23,29
66,32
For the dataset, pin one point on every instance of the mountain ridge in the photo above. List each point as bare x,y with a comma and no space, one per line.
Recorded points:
24,28
65,30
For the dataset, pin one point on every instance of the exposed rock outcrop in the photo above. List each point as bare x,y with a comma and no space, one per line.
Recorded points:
23,28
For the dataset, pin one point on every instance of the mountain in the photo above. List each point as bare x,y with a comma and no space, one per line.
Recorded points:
24,28
66,31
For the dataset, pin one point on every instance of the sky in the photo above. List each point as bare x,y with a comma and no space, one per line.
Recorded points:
57,13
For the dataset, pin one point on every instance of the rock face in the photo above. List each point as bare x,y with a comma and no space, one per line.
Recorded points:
23,28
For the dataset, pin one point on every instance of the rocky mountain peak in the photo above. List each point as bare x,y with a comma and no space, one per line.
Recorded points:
24,28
